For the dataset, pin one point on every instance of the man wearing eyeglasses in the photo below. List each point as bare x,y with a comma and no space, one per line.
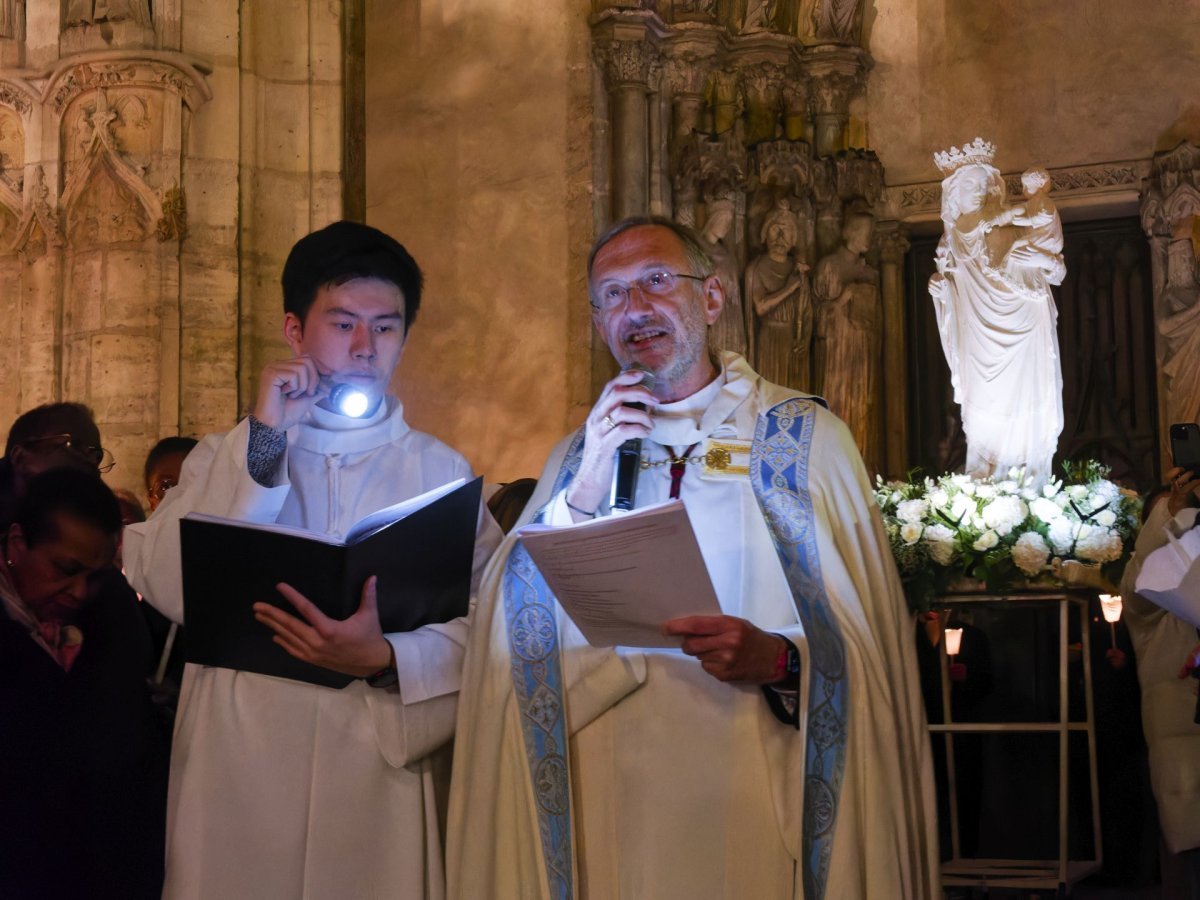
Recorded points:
282,789
781,753
52,436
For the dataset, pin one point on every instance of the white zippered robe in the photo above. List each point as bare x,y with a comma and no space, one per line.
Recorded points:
281,789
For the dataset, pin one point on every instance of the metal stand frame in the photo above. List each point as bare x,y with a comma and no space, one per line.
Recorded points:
1061,873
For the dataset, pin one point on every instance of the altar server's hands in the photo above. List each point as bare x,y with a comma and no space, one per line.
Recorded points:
354,646
610,424
287,390
729,648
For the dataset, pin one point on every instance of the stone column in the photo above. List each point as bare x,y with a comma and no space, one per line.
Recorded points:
892,246
626,55
836,73
1170,215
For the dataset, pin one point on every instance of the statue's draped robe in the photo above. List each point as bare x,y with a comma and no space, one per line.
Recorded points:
1001,342
590,772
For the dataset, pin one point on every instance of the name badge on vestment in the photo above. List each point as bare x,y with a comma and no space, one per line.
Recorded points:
725,458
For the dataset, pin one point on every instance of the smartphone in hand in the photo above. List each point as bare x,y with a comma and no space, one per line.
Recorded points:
1185,445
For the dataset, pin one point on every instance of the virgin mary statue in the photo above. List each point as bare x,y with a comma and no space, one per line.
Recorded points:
997,320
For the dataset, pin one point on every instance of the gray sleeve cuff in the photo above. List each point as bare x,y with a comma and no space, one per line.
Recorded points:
264,451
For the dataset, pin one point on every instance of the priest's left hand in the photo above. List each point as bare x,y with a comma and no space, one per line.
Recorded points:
729,648
354,646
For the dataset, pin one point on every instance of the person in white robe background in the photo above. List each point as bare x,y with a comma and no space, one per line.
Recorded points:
782,752
282,789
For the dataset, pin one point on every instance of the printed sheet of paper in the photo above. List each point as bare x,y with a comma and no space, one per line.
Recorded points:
1170,576
620,577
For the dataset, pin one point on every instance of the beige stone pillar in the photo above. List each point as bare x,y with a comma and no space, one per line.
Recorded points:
627,56
894,407
1171,219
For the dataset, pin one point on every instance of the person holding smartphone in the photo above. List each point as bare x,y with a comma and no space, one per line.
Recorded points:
1166,647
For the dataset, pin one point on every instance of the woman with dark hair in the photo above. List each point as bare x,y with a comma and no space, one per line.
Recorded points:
82,762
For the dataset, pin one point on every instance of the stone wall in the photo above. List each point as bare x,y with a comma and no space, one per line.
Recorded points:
479,160
1053,82
154,170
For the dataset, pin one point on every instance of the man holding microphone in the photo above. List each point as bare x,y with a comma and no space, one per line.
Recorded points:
780,753
282,789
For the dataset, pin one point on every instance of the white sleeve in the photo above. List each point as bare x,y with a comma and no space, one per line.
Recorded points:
214,480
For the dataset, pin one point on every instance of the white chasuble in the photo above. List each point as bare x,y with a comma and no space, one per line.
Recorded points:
680,785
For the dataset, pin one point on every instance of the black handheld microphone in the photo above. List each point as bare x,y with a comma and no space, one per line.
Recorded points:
629,456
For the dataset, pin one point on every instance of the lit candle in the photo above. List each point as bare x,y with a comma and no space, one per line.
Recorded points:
1110,605
953,641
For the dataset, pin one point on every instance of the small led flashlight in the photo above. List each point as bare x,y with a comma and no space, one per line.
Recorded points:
348,400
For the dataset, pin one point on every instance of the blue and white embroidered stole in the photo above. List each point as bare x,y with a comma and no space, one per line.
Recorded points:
529,610
779,475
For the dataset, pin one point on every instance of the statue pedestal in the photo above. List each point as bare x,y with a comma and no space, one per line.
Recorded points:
991,701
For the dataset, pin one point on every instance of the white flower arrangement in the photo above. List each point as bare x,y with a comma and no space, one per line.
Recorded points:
1005,532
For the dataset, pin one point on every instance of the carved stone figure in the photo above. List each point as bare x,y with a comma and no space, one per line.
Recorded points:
777,288
1180,327
88,12
730,331
848,342
837,21
998,330
1035,258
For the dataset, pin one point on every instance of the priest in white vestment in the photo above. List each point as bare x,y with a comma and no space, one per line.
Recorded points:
782,752
279,788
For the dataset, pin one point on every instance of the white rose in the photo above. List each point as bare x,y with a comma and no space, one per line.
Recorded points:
960,506
986,541
912,510
1028,493
910,532
978,522
1077,492
1098,544
985,491
1046,510
1062,500
897,496
1106,517
940,541
969,489
961,480
1062,535
938,498
1005,513
1030,553
1008,487
1050,488
1105,492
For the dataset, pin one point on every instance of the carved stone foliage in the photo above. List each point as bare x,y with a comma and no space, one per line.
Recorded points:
12,150
146,72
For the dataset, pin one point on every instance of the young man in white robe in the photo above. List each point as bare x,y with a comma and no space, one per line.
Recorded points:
781,753
279,788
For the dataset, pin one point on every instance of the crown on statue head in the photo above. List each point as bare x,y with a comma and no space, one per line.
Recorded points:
978,152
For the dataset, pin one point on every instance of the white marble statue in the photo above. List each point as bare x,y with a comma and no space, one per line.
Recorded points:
996,314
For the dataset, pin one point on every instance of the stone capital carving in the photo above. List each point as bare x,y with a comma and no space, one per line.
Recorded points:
786,164
686,73
858,173
892,241
627,62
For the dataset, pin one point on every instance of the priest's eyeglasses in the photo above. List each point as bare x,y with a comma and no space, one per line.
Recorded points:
613,295
99,457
